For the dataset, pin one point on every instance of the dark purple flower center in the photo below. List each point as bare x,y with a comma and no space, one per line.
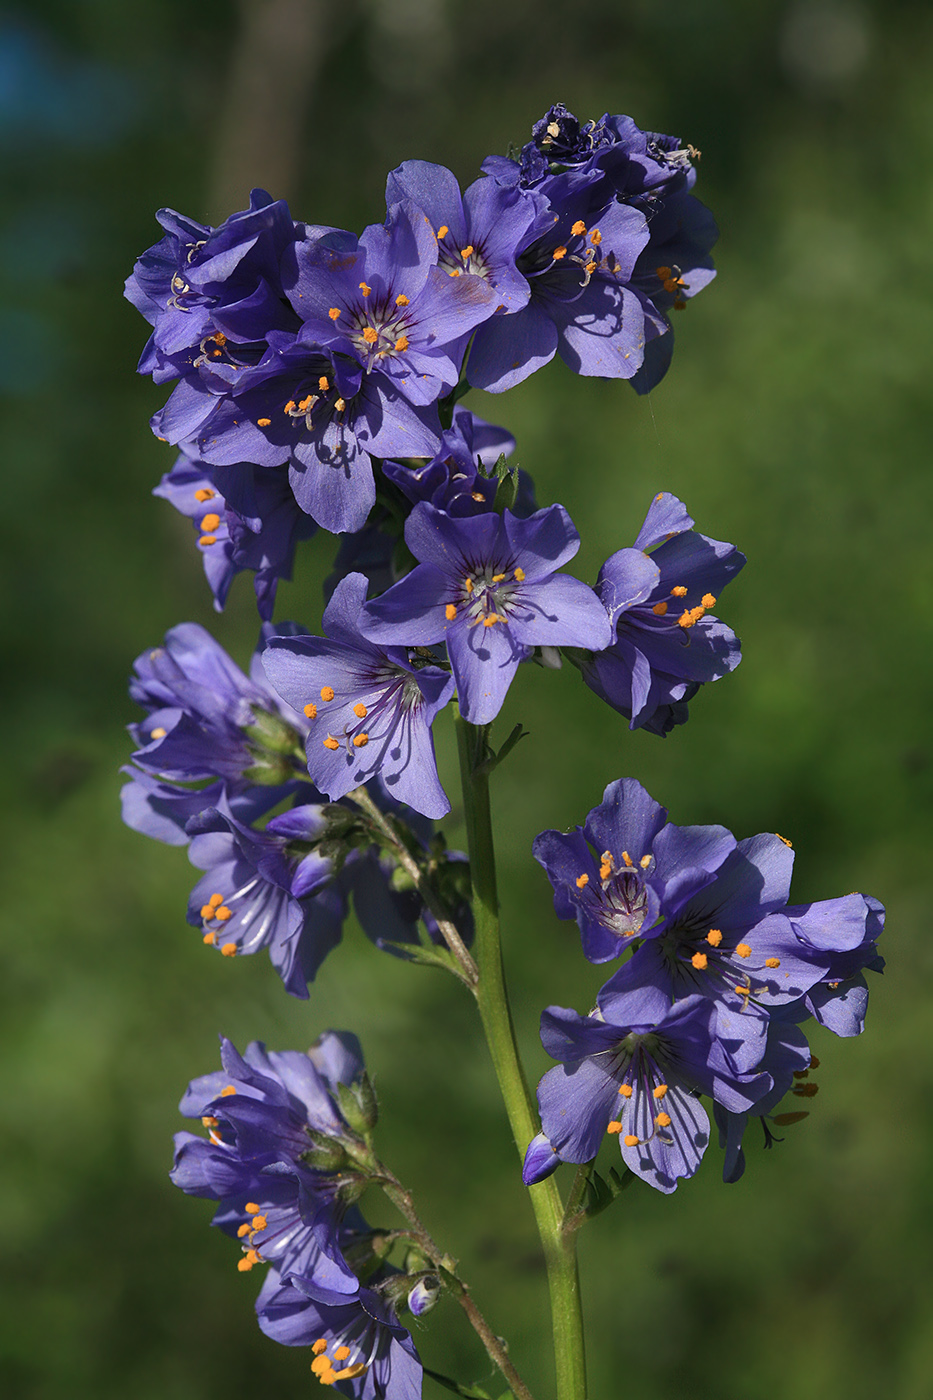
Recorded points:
579,254
377,324
471,258
620,901
486,594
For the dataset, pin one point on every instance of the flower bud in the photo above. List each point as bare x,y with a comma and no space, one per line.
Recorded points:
424,1295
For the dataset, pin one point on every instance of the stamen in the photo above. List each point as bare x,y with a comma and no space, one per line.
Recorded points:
596,237
627,859
714,937
772,962
263,422
319,1346
370,335
814,1062
790,844
210,1122
311,710
360,741
229,950
690,618
614,1127
455,272
663,1120
323,384
360,710
659,1091
579,227
209,938
259,1222
699,961
306,403
402,343
465,252
492,619
331,743
206,911
442,231
518,575
207,539
663,273
289,406
347,1374
559,252
679,592
327,692
243,1230
582,881
805,1091
334,312
630,1140
497,578
450,612
625,1090
204,494
401,299
659,609
468,585
210,522
215,899
708,600
222,913
340,405
645,862
158,732
365,289
589,267
743,950
321,1365
249,1259
341,1353
251,1208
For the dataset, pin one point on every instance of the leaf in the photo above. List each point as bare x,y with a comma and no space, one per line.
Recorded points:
468,1392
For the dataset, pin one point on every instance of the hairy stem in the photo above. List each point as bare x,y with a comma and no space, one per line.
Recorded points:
403,1201
492,996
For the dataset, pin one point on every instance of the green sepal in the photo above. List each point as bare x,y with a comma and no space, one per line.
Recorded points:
429,955
358,1104
494,759
269,731
602,1191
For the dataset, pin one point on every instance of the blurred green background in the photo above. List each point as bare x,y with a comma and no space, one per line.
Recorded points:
795,422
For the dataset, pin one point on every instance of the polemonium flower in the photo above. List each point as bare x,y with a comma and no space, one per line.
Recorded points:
639,1081
453,480
660,594
358,1345
488,586
369,710
255,524
627,864
267,1114
267,889
201,283
787,1060
203,710
386,304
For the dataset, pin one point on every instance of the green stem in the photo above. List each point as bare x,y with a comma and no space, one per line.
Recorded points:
492,996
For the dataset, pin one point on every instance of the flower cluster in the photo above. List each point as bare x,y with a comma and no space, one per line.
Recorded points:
217,753
285,1167
719,970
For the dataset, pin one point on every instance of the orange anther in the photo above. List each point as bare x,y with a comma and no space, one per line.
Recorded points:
402,343
210,1122
206,911
319,1346
614,1127
663,273
223,913
559,252
630,1140
289,406
327,692
305,403
625,1090
663,1120
263,422
450,612
370,335
242,1230
340,405
204,494
215,899
777,834
229,950
210,522
360,710
743,950
714,937
518,575
772,962
158,732
360,741
465,252
492,619
365,289
579,227
680,591
596,237
708,600
259,1222
659,1091
251,1207
209,938
227,1093
645,862
334,312
582,881
311,711
323,384
331,743
442,231
207,539
699,961
627,859
401,299
341,1353
659,609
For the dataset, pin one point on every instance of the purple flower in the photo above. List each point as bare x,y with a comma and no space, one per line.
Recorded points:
261,1111
385,303
302,405
267,889
369,710
488,586
628,864
581,305
639,1080
787,1060
358,1344
667,642
200,283
452,481
254,525
203,711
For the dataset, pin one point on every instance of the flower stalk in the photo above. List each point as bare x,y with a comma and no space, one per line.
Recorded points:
559,1245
